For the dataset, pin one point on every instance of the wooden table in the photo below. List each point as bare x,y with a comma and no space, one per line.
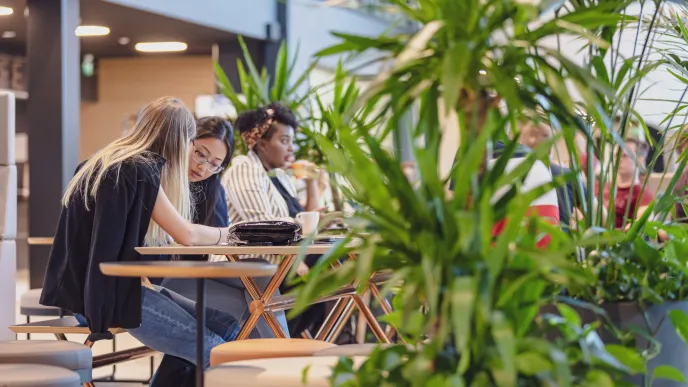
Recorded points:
190,269
40,241
263,300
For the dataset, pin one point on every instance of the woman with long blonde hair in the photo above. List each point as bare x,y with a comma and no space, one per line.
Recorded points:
107,211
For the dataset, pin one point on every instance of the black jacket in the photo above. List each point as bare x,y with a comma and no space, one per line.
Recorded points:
115,224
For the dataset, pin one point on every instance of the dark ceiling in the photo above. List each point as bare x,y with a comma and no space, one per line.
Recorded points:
126,22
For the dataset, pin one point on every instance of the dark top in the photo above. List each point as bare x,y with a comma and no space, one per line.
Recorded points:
567,196
109,231
292,203
210,208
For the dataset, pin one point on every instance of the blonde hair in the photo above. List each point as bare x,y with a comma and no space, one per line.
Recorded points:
165,127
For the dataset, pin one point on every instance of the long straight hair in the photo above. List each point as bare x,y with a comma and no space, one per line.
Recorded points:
165,128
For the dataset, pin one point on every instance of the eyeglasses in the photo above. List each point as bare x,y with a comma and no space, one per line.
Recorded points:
202,159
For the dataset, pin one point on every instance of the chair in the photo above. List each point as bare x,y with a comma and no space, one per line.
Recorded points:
265,349
36,375
29,305
349,350
64,354
284,372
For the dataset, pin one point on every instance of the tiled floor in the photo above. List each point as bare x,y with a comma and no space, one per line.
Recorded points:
133,370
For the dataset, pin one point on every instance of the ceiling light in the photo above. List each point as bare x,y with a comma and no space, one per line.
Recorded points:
160,46
6,11
9,34
91,31
123,40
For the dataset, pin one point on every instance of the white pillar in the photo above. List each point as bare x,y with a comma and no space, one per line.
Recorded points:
8,217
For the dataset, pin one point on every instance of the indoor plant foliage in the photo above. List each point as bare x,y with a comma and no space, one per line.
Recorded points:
474,298
259,89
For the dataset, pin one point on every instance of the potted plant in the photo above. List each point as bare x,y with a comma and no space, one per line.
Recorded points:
472,298
641,286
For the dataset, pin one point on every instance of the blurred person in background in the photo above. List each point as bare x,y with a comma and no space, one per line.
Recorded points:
681,188
629,192
569,198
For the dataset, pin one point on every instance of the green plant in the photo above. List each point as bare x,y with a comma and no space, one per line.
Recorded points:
259,88
472,298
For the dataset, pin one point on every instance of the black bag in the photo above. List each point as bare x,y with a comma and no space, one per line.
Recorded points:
267,233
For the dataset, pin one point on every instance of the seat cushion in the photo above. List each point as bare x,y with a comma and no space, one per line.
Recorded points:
348,350
35,375
265,349
283,372
66,354
29,305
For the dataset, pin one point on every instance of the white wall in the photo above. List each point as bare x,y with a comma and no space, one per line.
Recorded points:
243,17
8,216
311,25
658,85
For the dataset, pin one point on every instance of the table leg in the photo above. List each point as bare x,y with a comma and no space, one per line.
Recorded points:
332,318
370,318
343,320
258,305
387,308
274,325
200,330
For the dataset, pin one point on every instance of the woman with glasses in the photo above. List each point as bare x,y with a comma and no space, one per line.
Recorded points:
210,155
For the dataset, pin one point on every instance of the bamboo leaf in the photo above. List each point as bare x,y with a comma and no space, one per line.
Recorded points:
506,346
679,320
628,357
669,373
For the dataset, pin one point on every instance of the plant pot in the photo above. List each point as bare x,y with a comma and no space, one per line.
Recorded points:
674,351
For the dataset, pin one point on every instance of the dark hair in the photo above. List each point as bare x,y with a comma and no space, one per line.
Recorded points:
252,118
221,129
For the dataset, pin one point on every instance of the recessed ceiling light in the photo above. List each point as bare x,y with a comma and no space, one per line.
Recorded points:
6,11
123,40
160,46
9,34
91,31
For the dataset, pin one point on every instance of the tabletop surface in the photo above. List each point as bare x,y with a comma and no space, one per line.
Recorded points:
235,250
187,269
36,241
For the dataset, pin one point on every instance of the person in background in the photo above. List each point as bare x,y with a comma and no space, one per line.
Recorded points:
258,188
107,211
545,206
681,188
569,199
629,192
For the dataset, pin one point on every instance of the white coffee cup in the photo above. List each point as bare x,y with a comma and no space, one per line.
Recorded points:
309,222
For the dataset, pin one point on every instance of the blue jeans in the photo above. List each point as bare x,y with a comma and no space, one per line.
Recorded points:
168,325
228,295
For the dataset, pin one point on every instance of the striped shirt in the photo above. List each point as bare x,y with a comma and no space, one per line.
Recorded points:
251,195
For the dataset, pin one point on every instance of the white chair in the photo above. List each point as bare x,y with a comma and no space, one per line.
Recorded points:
35,375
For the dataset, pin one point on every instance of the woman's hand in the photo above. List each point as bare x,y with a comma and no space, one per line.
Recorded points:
302,269
304,169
